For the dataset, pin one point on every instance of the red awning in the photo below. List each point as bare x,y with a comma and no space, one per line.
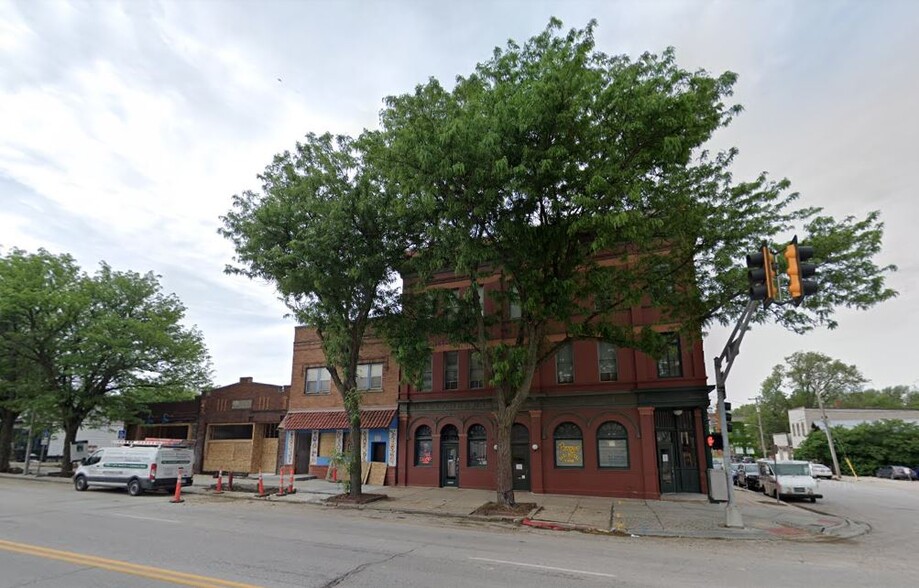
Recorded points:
336,419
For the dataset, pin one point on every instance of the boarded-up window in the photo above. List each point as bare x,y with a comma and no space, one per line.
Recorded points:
326,443
227,432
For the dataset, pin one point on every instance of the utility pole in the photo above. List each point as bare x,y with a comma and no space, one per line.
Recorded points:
829,436
759,420
723,364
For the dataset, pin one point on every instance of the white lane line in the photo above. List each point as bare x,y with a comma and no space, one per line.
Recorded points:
526,565
128,516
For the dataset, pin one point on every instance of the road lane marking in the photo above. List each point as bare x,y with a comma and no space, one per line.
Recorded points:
122,567
554,569
130,516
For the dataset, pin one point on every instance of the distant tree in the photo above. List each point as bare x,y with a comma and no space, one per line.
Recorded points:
809,374
743,437
99,343
329,237
893,397
551,152
868,446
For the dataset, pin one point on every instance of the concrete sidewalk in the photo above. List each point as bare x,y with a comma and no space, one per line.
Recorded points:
684,515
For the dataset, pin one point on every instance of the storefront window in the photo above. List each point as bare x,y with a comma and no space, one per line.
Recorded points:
478,447
569,446
424,446
612,446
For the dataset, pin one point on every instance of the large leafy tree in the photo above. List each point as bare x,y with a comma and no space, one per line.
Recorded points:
551,155
99,344
329,237
810,375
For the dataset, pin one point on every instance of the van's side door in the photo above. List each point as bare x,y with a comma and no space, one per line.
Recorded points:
93,466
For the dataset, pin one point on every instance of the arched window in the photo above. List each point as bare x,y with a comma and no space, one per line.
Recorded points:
477,456
569,446
424,446
612,446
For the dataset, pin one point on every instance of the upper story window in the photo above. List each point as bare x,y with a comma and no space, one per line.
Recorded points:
514,303
669,365
427,375
476,370
318,380
451,370
609,369
370,376
564,364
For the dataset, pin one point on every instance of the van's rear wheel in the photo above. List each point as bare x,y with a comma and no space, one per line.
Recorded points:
134,487
813,500
80,483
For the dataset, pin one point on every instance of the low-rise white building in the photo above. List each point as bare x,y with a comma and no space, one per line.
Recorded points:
801,419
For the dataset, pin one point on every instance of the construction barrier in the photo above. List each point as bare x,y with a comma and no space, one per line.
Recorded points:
282,490
261,487
178,495
290,471
219,489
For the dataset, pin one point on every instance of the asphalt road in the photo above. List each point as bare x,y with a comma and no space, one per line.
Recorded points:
53,536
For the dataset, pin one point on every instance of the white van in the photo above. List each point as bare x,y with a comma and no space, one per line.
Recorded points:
138,466
787,479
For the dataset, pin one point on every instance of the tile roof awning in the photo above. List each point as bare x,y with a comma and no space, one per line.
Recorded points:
336,419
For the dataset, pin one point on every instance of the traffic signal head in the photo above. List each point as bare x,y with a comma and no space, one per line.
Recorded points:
714,441
761,275
799,285
727,416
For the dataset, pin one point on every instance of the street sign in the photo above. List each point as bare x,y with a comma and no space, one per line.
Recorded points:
122,433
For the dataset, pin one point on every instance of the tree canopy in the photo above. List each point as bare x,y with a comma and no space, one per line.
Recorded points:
867,446
551,154
327,234
95,345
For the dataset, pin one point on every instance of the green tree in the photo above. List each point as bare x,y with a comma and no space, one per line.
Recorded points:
868,446
102,343
892,397
809,374
552,154
329,237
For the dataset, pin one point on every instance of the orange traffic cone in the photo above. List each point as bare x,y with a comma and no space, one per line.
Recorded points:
178,495
261,487
282,491
219,489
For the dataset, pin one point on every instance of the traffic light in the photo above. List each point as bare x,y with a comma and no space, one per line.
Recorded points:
761,274
714,441
799,285
727,416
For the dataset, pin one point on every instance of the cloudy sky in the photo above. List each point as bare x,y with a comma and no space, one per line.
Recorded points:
126,127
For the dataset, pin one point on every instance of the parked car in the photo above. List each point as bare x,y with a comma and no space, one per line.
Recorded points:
788,479
895,473
748,476
818,470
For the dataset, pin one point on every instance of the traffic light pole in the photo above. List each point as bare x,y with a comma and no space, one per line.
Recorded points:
723,365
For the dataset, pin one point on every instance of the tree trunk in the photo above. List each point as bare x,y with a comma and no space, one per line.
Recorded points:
7,422
70,434
504,479
355,466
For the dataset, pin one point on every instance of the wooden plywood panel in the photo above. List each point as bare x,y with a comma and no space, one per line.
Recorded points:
269,455
229,456
365,471
377,474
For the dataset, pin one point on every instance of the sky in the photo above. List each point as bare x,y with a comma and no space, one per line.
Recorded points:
127,127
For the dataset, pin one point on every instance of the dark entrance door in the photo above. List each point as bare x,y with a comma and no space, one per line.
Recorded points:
302,443
378,451
677,462
449,456
520,456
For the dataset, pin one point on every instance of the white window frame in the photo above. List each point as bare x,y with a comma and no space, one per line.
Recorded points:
369,376
613,352
318,381
567,349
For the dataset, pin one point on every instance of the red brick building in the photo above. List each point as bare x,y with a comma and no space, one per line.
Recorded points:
316,426
599,420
